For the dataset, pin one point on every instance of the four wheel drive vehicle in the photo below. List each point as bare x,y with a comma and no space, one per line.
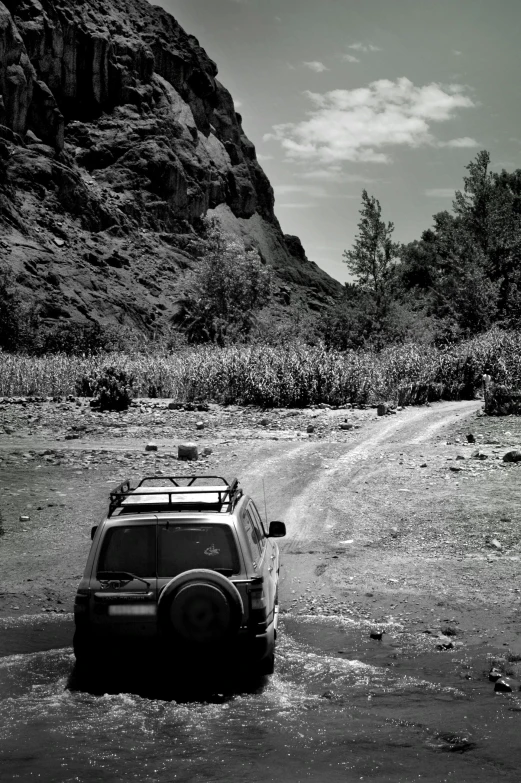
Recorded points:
183,566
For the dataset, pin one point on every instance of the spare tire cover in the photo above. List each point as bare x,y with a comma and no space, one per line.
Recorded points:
200,606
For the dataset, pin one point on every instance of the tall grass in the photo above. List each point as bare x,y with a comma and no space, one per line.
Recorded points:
291,375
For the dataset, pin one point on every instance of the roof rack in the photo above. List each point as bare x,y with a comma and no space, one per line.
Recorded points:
163,498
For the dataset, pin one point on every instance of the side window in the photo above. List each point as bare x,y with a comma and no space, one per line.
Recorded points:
257,525
253,536
256,516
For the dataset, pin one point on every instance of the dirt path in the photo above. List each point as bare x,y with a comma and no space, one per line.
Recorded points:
297,476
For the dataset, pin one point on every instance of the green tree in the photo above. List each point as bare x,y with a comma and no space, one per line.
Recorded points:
230,287
11,312
373,257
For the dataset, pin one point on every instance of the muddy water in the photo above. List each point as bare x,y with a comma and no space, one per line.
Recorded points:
339,708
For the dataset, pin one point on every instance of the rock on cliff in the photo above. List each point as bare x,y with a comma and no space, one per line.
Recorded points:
115,139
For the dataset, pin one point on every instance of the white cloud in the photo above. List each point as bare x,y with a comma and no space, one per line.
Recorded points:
333,174
440,192
457,52
364,47
263,158
316,66
350,58
464,142
358,125
237,104
315,191
312,191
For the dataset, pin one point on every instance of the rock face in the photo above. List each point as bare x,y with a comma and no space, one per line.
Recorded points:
115,139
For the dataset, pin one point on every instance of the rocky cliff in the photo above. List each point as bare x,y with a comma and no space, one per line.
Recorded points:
115,139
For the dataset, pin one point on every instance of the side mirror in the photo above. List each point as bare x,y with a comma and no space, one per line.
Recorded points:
277,530
93,532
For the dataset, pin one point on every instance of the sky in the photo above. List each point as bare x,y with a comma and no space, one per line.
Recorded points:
394,96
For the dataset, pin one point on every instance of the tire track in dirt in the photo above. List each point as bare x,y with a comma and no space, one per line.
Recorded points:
413,427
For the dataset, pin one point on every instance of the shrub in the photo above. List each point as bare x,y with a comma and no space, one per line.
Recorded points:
113,389
230,287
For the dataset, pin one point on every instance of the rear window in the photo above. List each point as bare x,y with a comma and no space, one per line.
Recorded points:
181,547
131,548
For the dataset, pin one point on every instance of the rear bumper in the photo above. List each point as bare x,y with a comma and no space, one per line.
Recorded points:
131,639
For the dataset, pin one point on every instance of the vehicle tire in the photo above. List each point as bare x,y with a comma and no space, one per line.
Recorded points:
200,607
266,666
85,654
82,647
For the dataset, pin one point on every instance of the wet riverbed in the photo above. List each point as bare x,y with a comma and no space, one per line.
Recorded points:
340,707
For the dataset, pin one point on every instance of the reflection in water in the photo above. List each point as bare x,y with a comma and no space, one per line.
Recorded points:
319,718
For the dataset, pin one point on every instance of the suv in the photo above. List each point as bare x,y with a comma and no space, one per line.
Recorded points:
183,566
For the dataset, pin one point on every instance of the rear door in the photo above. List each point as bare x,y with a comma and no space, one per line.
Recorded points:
267,566
185,544
123,580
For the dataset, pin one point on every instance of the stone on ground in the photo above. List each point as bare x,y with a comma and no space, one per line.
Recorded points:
187,451
503,686
512,456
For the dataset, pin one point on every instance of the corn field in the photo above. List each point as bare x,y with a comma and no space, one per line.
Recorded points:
284,376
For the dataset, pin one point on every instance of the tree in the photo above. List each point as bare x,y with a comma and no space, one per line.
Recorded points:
230,287
374,253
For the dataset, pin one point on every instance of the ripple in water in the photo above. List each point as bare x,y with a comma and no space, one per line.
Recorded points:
320,718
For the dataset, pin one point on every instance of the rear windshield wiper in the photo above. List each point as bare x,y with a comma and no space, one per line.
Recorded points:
120,576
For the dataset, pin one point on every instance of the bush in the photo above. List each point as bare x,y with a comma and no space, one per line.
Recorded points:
113,389
230,287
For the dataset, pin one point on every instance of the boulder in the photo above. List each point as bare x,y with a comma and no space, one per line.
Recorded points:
503,686
512,456
187,451
151,447
382,409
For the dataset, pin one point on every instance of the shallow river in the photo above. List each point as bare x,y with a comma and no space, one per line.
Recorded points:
339,708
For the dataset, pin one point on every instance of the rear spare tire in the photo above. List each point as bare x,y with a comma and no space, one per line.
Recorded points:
200,607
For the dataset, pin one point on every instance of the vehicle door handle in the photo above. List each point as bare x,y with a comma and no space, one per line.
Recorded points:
270,569
273,557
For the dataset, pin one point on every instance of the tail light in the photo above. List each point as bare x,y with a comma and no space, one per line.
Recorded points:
258,605
81,603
